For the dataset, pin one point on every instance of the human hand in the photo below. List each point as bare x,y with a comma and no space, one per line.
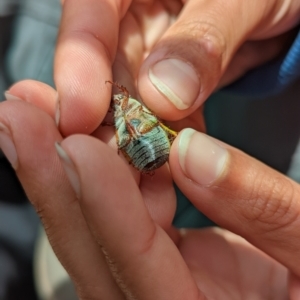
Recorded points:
27,136
259,204
131,224
67,111
221,40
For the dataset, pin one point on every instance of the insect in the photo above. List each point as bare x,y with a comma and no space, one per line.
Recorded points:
141,137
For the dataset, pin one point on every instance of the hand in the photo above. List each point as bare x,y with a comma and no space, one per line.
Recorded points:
148,263
78,81
220,41
27,137
126,226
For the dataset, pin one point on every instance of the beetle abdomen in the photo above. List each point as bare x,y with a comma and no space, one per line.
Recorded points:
148,151
141,137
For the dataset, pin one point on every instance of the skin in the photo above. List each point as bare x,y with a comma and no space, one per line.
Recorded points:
91,224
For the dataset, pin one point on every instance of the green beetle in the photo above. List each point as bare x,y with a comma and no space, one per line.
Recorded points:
143,140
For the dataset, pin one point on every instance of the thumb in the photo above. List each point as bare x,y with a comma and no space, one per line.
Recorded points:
188,61
240,193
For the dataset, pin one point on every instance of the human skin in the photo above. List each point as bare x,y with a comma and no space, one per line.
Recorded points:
156,261
220,41
113,233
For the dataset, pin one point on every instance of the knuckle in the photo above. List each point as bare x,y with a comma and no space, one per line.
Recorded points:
205,42
271,204
210,37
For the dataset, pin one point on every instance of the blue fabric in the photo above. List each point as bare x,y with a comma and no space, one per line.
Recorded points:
271,78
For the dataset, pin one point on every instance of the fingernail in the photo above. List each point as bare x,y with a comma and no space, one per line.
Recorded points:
7,146
57,110
177,81
201,159
9,96
69,168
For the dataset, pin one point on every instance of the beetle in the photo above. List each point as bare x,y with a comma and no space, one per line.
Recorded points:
141,137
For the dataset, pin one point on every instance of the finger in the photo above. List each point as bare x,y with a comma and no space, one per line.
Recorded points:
33,134
85,52
294,287
233,267
157,190
145,262
255,53
154,19
129,54
186,64
195,120
159,196
240,194
37,93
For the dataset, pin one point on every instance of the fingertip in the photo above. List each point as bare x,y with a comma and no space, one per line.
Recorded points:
85,51
200,158
10,97
168,86
83,111
37,93
175,80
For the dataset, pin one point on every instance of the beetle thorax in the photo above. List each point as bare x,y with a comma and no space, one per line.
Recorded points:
124,107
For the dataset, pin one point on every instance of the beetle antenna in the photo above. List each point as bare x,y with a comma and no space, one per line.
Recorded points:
120,87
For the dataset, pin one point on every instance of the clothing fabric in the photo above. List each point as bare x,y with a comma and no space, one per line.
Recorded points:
27,38
271,78
268,129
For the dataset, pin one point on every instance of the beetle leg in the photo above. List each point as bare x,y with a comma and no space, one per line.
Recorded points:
123,140
120,87
171,133
107,124
148,173
130,129
111,106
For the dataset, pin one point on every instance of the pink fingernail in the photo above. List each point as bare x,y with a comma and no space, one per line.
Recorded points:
69,168
57,110
201,158
177,81
7,146
9,96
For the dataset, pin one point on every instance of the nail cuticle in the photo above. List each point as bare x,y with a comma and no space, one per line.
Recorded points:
8,96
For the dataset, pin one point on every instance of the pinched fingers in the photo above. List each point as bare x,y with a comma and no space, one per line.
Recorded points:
186,64
240,194
37,93
143,259
27,137
86,49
